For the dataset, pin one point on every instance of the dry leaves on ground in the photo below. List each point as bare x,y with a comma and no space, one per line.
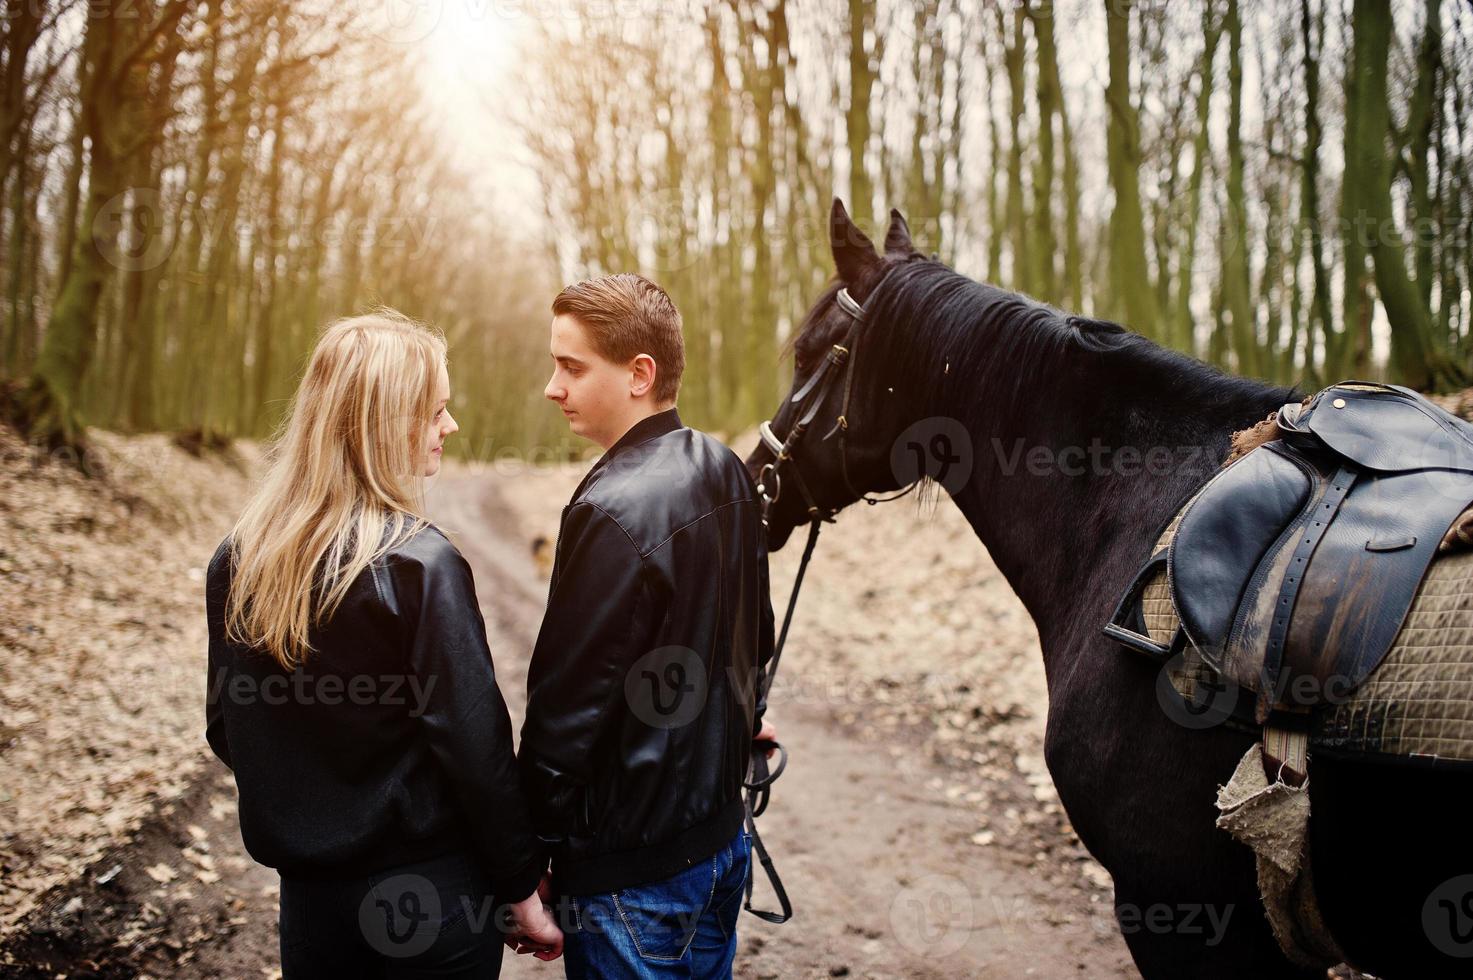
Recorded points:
102,628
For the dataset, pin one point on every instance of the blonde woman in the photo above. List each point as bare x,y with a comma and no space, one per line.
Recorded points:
351,689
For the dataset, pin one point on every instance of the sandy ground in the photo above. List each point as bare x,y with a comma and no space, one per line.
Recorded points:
915,828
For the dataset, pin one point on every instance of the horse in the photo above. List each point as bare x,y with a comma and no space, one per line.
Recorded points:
1051,421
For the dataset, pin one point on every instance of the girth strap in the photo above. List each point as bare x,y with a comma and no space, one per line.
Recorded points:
1314,529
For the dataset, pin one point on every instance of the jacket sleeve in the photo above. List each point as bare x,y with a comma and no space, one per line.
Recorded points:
765,629
465,717
217,677
598,622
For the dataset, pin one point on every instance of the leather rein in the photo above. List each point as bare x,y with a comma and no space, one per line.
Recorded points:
809,399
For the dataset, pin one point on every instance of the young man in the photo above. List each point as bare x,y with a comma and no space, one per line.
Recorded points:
641,694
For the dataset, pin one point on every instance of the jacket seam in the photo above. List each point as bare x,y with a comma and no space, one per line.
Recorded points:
710,513
615,521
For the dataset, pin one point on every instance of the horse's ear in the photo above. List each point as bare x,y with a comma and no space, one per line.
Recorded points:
854,253
897,239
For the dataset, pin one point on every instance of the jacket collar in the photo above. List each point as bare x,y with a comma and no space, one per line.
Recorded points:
646,429
642,431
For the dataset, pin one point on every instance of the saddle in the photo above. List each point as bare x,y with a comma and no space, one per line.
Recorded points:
1293,569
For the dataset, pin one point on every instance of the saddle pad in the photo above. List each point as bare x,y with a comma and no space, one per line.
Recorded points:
1418,704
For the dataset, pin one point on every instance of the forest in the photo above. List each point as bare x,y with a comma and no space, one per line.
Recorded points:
191,189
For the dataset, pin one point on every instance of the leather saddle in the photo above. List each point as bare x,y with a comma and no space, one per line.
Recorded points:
1293,569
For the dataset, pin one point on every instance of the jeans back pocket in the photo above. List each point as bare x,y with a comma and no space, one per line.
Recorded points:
662,917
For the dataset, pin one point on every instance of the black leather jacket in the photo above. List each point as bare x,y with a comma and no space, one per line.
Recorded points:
390,744
641,702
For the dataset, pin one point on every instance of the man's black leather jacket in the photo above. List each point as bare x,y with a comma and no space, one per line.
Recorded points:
642,700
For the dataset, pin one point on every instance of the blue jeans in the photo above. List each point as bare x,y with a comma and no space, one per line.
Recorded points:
684,926
433,918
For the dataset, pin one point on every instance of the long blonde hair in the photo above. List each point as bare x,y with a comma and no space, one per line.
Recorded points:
344,483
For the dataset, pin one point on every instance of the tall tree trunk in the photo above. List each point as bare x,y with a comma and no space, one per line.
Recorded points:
71,207
20,28
760,388
138,325
1235,241
1130,286
1352,349
1013,55
49,408
1422,115
719,112
1312,30
996,227
863,63
1043,277
20,228
1183,331
1417,360
266,329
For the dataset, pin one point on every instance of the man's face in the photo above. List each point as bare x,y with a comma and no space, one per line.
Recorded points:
593,392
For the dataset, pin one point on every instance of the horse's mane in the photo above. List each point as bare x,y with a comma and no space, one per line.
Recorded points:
1000,352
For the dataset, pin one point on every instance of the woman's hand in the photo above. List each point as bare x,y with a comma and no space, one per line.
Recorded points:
533,930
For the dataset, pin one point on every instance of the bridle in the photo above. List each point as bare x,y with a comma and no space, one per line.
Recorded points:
808,399
840,356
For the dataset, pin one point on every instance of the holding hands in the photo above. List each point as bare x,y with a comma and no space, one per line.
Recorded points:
532,925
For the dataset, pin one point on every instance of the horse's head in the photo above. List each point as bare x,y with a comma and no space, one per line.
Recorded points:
830,441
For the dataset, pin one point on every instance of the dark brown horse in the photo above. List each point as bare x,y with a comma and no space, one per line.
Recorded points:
1067,442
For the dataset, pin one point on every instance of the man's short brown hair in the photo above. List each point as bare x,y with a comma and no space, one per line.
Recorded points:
625,315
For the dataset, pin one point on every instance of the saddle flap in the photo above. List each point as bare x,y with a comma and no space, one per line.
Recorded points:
1385,428
1224,536
1361,582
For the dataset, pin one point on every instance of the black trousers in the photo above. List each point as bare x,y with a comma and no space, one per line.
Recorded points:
432,918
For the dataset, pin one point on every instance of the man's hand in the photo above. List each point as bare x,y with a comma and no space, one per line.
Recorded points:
768,733
533,930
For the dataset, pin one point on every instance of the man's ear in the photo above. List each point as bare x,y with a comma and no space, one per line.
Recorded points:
642,374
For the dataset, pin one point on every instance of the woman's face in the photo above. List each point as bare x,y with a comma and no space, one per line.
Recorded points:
441,424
